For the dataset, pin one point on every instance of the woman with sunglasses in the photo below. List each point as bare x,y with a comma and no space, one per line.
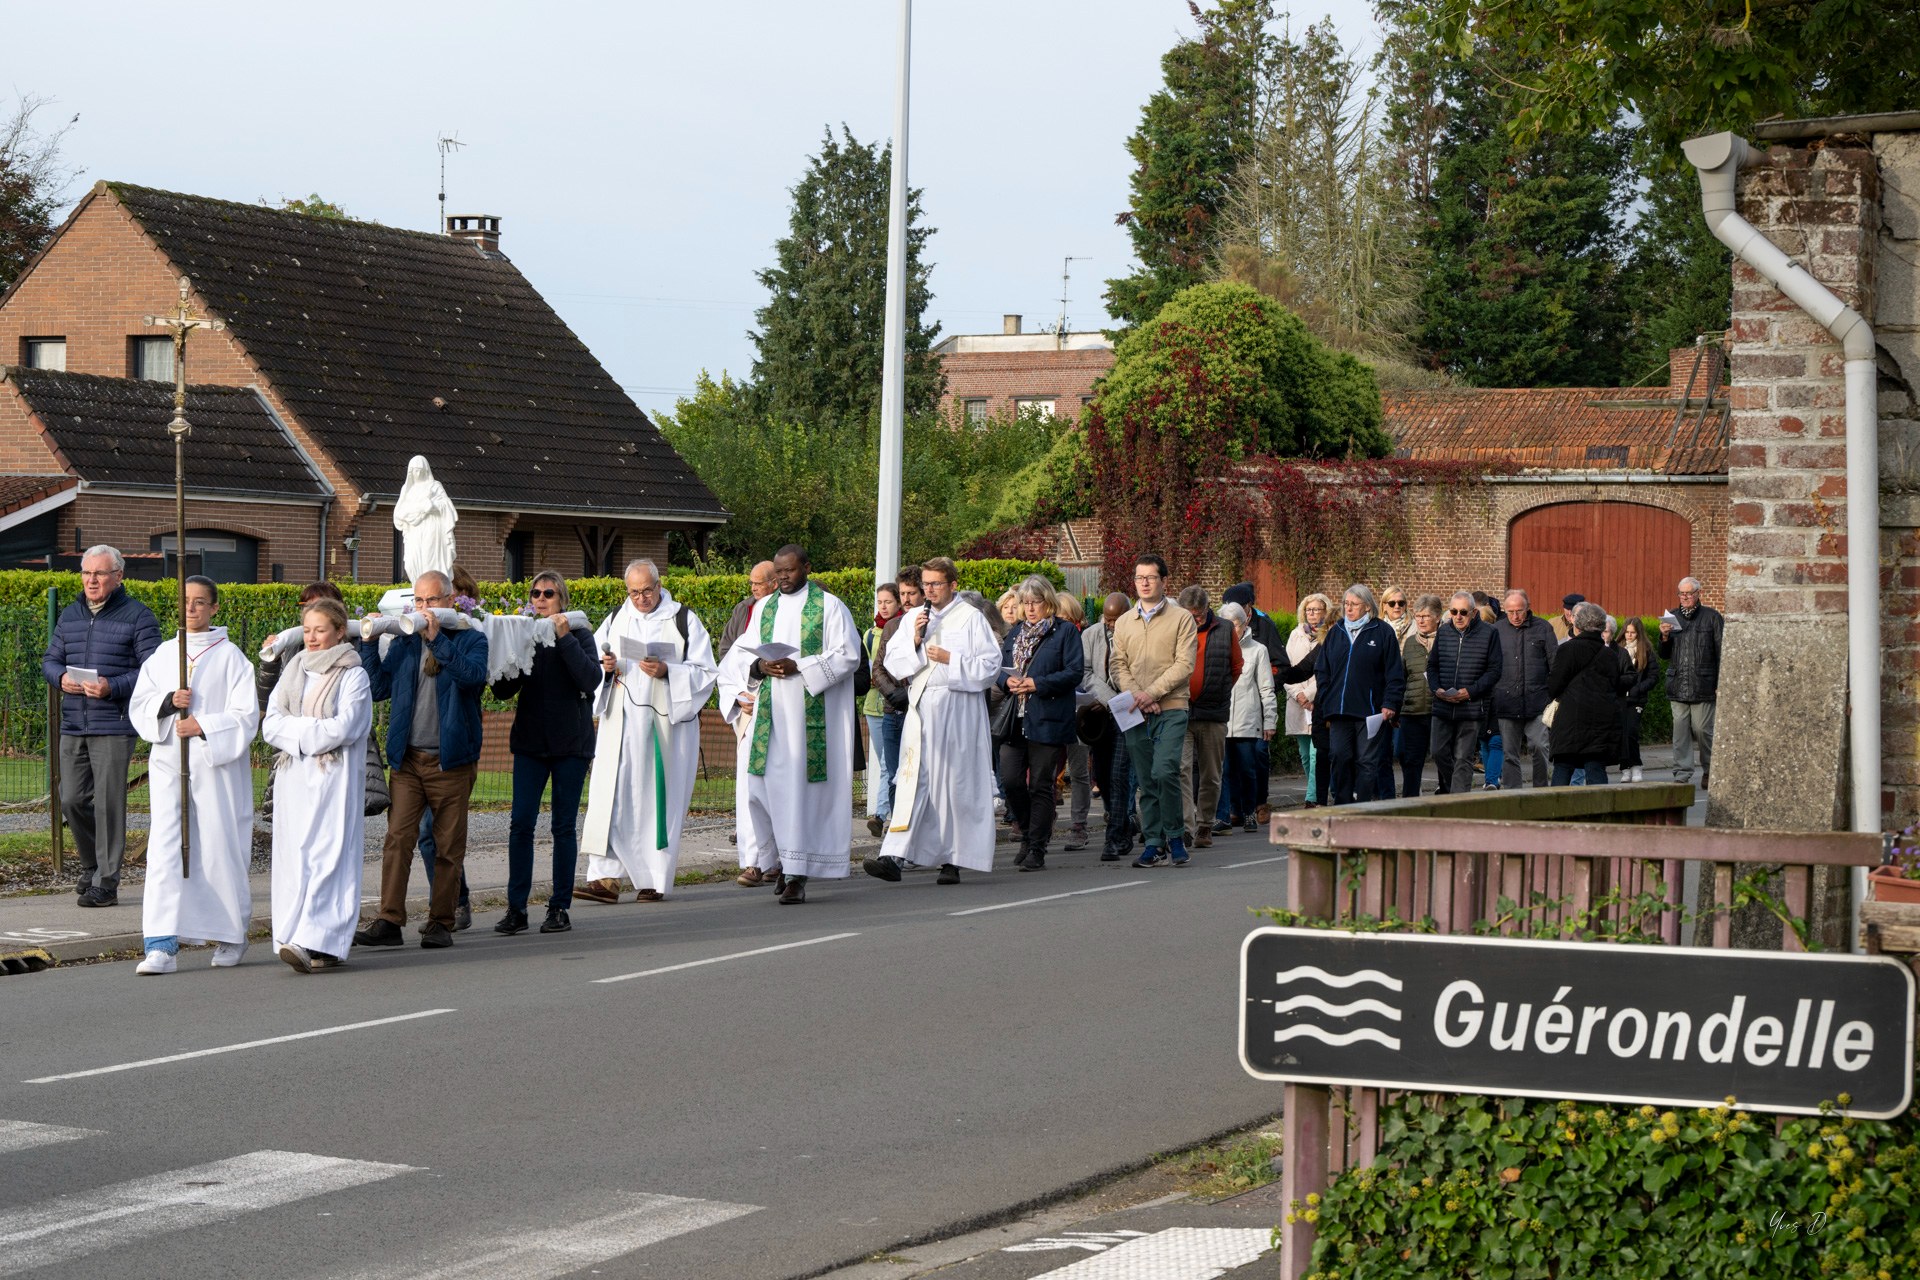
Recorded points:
552,739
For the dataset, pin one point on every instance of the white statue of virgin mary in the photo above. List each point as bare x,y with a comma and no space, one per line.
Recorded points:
425,517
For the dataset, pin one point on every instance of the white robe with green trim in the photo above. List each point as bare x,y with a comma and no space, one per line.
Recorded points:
215,902
784,821
624,818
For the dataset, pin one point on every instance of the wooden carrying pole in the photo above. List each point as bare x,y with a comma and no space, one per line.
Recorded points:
182,321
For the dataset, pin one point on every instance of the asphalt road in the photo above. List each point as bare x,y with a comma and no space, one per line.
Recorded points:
893,1063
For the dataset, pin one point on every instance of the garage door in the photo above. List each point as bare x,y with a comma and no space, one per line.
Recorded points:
1624,556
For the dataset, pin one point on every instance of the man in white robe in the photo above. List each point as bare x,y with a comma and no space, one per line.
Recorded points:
793,777
647,751
943,793
216,714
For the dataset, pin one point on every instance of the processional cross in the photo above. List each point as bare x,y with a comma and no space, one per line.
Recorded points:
182,322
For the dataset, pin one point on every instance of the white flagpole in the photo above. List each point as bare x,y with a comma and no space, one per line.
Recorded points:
886,549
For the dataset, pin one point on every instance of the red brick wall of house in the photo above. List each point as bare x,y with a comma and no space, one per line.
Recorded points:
288,535
23,449
999,377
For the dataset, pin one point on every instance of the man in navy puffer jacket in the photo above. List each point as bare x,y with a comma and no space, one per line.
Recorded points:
110,633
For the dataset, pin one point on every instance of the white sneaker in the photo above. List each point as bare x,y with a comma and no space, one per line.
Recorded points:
296,955
228,954
156,962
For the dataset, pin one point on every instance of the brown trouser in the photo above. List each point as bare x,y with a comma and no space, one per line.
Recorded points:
418,783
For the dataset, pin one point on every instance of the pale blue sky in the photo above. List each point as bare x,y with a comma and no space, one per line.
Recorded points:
639,154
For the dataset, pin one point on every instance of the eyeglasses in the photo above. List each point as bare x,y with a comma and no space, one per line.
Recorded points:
1689,593
98,573
429,599
543,593
641,593
1146,577
1460,613
932,582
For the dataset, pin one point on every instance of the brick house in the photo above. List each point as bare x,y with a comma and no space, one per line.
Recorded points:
362,345
1614,492
990,374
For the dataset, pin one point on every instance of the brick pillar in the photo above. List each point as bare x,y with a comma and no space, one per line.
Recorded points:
1780,750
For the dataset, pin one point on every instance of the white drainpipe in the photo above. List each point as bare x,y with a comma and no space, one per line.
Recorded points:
1718,157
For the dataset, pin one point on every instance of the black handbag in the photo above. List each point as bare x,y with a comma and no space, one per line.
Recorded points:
1001,717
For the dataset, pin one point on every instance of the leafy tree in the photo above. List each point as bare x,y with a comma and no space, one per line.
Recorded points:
1525,245
313,205
1194,134
821,338
1678,281
1687,67
32,176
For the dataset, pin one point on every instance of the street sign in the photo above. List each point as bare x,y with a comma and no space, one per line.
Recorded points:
1667,1025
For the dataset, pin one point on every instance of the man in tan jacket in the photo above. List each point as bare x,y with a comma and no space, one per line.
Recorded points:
1154,644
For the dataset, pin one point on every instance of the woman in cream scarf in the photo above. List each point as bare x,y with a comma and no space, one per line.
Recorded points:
319,717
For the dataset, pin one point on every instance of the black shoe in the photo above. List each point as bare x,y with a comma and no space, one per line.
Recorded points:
436,935
1111,856
794,892
379,933
1020,858
1036,861
780,884
881,869
1222,828
98,897
949,874
463,917
556,921
1251,825
512,922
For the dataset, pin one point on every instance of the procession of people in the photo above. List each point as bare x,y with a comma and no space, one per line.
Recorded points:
973,713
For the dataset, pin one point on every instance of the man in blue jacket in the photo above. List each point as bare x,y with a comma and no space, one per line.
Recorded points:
109,633
433,679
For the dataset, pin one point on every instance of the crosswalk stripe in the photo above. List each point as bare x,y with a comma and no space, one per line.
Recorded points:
641,1219
68,1227
19,1135
1178,1253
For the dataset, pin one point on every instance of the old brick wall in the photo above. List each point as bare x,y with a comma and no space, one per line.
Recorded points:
1896,320
289,535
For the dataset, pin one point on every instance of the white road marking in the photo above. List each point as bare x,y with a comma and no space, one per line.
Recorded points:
235,1048
1178,1253
43,935
641,1219
18,1135
1051,897
1091,1241
68,1227
1257,862
738,955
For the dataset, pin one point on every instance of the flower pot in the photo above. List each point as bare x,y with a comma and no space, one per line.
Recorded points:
1887,884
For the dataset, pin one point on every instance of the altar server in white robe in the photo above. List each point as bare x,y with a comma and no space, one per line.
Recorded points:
318,718
637,799
216,714
793,797
943,793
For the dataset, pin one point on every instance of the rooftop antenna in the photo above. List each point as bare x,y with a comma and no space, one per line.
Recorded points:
450,142
1066,279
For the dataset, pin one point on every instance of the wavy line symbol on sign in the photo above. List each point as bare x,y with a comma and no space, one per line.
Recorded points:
1336,1037
1337,1010
1315,972
1317,1004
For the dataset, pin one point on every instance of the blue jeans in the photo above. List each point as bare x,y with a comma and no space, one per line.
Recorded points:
1383,771
1493,758
1153,750
530,774
429,851
1593,773
1356,758
169,944
1304,741
885,731
1240,780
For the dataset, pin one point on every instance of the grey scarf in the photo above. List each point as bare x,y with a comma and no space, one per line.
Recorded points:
310,686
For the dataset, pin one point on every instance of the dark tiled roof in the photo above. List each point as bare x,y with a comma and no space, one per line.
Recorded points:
23,491
386,343
113,431
1557,428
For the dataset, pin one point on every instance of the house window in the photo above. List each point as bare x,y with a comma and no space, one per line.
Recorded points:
1024,405
43,353
150,359
222,556
976,412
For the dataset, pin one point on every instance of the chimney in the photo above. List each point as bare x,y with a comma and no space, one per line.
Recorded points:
479,229
1701,364
1009,324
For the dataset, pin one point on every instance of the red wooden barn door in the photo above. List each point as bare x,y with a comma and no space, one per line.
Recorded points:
1621,555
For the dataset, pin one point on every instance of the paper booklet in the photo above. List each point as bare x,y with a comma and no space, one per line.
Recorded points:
633,650
1374,722
83,675
1672,620
1125,716
771,651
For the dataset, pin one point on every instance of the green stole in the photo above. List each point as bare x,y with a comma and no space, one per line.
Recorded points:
812,629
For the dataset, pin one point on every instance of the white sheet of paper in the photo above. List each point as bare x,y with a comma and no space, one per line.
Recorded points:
772,651
1374,722
1672,620
83,675
660,650
1124,714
